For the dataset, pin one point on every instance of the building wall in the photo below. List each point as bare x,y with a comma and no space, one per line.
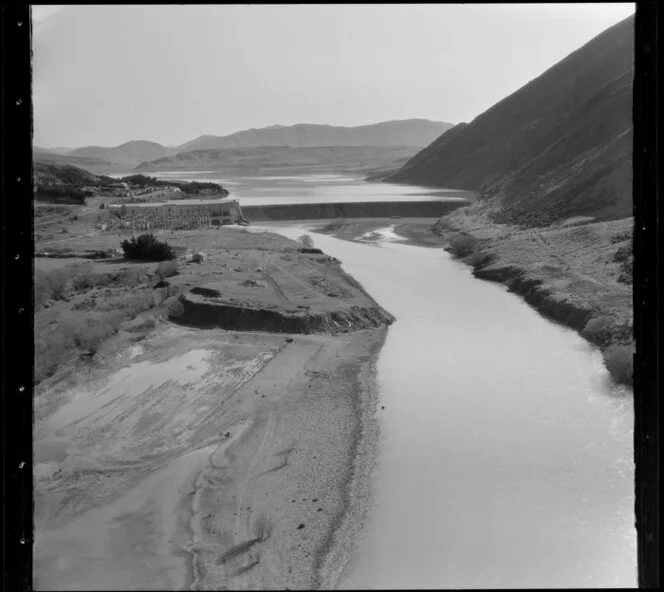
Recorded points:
174,215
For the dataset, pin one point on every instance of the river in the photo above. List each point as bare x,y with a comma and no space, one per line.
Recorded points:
506,451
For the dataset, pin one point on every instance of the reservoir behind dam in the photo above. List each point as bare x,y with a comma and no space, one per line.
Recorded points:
506,451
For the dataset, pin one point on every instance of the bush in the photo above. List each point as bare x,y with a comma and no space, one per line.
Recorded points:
463,245
50,351
306,241
166,269
478,260
147,248
619,360
57,283
624,253
175,308
622,236
129,304
598,329
41,290
91,331
83,278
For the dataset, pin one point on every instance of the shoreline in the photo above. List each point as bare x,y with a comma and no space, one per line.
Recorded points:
570,274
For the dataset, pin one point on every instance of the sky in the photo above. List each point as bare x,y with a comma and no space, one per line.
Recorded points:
104,75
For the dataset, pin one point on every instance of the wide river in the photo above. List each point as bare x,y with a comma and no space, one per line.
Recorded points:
506,451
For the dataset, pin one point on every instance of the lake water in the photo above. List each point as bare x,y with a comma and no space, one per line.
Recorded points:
263,190
507,454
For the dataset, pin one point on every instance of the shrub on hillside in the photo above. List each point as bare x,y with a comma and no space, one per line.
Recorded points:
598,329
166,269
479,260
147,248
83,278
463,245
624,252
89,332
619,360
57,283
41,289
50,351
622,236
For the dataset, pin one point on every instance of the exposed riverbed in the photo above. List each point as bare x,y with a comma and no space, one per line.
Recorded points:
506,450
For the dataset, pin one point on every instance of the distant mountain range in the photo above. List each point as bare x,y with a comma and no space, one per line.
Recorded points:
560,146
127,153
409,132
272,159
405,133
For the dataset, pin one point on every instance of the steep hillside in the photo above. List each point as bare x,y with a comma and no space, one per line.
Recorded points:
50,173
558,147
274,158
408,132
128,153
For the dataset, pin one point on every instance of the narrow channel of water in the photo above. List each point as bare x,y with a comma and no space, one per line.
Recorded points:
506,450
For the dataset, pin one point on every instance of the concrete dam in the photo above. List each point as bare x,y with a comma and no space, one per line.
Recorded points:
368,209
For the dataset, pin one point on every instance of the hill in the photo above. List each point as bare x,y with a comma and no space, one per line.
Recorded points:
262,159
92,164
407,132
129,153
558,147
51,173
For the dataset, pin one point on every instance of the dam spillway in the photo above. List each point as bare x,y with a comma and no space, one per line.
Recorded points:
367,209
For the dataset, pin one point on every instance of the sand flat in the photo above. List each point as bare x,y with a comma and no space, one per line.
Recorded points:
194,462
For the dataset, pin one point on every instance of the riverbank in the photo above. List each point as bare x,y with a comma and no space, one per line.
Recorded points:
577,274
177,455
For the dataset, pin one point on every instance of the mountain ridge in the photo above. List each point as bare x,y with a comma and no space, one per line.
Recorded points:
407,132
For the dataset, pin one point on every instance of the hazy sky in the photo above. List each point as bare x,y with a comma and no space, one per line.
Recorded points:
107,74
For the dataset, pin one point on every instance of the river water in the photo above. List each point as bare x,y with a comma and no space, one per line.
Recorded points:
506,452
